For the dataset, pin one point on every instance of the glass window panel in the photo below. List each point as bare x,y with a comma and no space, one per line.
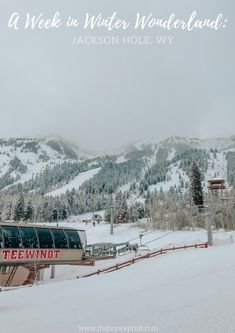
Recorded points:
45,238
73,238
1,238
29,238
11,237
59,238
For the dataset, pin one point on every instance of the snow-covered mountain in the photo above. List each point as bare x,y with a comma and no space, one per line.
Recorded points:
54,165
215,154
21,159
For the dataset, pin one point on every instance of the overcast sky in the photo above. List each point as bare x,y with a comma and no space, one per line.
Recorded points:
103,97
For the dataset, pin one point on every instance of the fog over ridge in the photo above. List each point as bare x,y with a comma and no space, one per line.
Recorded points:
105,97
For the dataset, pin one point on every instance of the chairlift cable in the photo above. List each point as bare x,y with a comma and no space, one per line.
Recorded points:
159,237
148,232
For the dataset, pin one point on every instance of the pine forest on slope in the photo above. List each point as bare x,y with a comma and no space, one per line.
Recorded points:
64,179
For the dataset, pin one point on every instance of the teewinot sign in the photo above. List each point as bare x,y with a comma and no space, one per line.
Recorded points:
29,254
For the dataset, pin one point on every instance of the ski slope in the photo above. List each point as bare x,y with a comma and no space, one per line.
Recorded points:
191,291
151,239
76,182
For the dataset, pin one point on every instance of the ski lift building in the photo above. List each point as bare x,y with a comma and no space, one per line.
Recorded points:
216,184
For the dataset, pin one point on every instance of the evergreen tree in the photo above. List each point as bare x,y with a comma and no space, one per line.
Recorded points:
54,216
161,194
19,209
29,212
8,212
121,208
44,211
107,215
196,185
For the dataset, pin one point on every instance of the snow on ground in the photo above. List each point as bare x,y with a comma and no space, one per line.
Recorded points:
154,239
135,198
171,154
152,160
180,292
126,233
83,217
30,159
121,159
124,187
76,182
217,167
174,175
188,291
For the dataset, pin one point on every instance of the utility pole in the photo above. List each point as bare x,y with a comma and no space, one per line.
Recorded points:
52,272
209,228
111,225
41,274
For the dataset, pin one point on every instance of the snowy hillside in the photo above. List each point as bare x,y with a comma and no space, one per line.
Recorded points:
181,292
76,182
176,141
54,167
172,151
21,159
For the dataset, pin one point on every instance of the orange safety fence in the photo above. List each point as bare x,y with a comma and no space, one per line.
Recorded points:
145,256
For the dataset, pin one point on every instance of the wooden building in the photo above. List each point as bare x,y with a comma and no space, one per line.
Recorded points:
216,184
